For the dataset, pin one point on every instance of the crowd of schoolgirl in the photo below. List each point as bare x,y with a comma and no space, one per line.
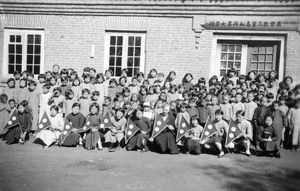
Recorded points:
266,111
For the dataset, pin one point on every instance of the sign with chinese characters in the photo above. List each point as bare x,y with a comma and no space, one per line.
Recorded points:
251,25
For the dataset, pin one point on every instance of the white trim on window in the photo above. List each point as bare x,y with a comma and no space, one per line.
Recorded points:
215,54
125,36
24,34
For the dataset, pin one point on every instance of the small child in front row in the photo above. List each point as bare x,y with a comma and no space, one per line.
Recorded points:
219,138
19,132
141,138
193,137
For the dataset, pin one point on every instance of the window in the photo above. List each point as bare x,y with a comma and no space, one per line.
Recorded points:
231,57
23,50
125,50
263,57
246,55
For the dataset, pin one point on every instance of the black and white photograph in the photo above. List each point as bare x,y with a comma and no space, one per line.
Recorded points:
139,95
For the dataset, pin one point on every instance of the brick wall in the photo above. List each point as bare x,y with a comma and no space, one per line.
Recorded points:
170,42
292,67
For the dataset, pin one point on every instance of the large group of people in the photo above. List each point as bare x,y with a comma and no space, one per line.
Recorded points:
266,111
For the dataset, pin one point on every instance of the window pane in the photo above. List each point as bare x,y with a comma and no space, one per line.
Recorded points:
37,59
137,62
269,58
29,49
36,69
224,48
111,61
11,48
230,64
230,56
18,59
129,72
223,72
231,48
261,66
37,49
11,59
136,70
11,38
130,41
119,51
11,69
120,40
253,66
138,41
238,57
118,71
30,39
130,51
18,38
37,39
19,49
29,68
254,58
119,61
237,65
269,49
269,66
255,50
238,48
137,51
223,65
112,40
19,68
29,59
112,50
261,58
130,61
262,50
223,56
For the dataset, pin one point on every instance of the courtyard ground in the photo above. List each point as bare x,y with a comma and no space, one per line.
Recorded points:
30,167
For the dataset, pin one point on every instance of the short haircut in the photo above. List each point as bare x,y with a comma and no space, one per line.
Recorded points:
219,112
76,105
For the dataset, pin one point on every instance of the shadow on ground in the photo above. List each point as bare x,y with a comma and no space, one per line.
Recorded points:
98,165
254,177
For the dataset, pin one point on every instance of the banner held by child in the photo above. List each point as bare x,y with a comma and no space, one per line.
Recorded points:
130,130
234,133
208,131
182,129
159,126
44,123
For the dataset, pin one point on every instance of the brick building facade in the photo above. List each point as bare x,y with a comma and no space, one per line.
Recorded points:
204,37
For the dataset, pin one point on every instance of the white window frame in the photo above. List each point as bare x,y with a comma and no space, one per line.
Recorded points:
243,58
216,55
24,33
125,49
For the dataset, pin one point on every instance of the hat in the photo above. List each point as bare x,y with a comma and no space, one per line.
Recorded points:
146,104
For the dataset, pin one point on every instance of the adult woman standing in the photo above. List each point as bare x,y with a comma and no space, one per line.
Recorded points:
268,136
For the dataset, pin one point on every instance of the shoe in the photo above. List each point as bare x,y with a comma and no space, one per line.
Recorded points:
277,155
99,148
221,155
145,150
248,154
112,149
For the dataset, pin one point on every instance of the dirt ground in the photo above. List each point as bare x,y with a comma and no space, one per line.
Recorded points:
30,167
